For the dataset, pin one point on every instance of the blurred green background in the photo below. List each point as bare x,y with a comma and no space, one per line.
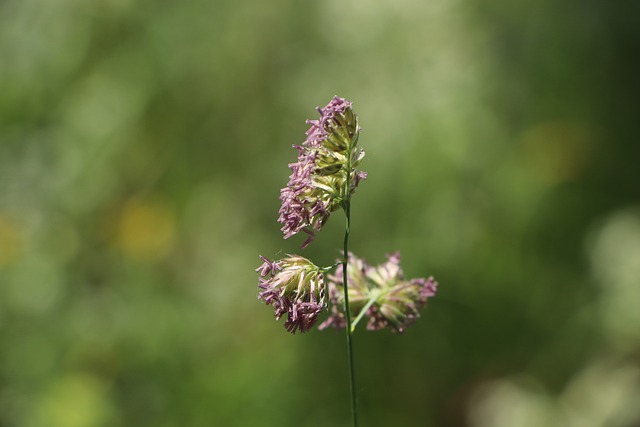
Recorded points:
142,148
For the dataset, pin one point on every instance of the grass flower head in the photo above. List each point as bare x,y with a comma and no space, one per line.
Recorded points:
326,160
293,286
381,294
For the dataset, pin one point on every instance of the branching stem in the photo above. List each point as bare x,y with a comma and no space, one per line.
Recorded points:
364,310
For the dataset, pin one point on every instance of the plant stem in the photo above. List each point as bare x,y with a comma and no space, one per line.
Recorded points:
364,310
345,261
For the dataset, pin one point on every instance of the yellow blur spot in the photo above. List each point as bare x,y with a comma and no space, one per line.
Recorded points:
557,151
75,400
10,241
145,229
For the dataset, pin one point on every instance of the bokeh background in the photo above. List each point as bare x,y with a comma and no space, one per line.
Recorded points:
142,148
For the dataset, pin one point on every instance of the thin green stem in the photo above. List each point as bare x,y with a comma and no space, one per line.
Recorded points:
364,310
346,205
345,261
331,267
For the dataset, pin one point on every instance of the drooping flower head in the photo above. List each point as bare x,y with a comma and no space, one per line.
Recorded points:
293,286
390,300
326,161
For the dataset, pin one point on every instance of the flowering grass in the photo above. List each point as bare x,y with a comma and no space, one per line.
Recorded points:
323,180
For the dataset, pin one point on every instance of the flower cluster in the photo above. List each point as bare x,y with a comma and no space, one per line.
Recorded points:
322,180
293,286
326,162
390,300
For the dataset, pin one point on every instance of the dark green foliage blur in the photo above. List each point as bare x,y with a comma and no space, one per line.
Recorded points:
142,148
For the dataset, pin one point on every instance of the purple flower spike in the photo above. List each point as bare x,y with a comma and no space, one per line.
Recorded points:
391,301
293,286
326,159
